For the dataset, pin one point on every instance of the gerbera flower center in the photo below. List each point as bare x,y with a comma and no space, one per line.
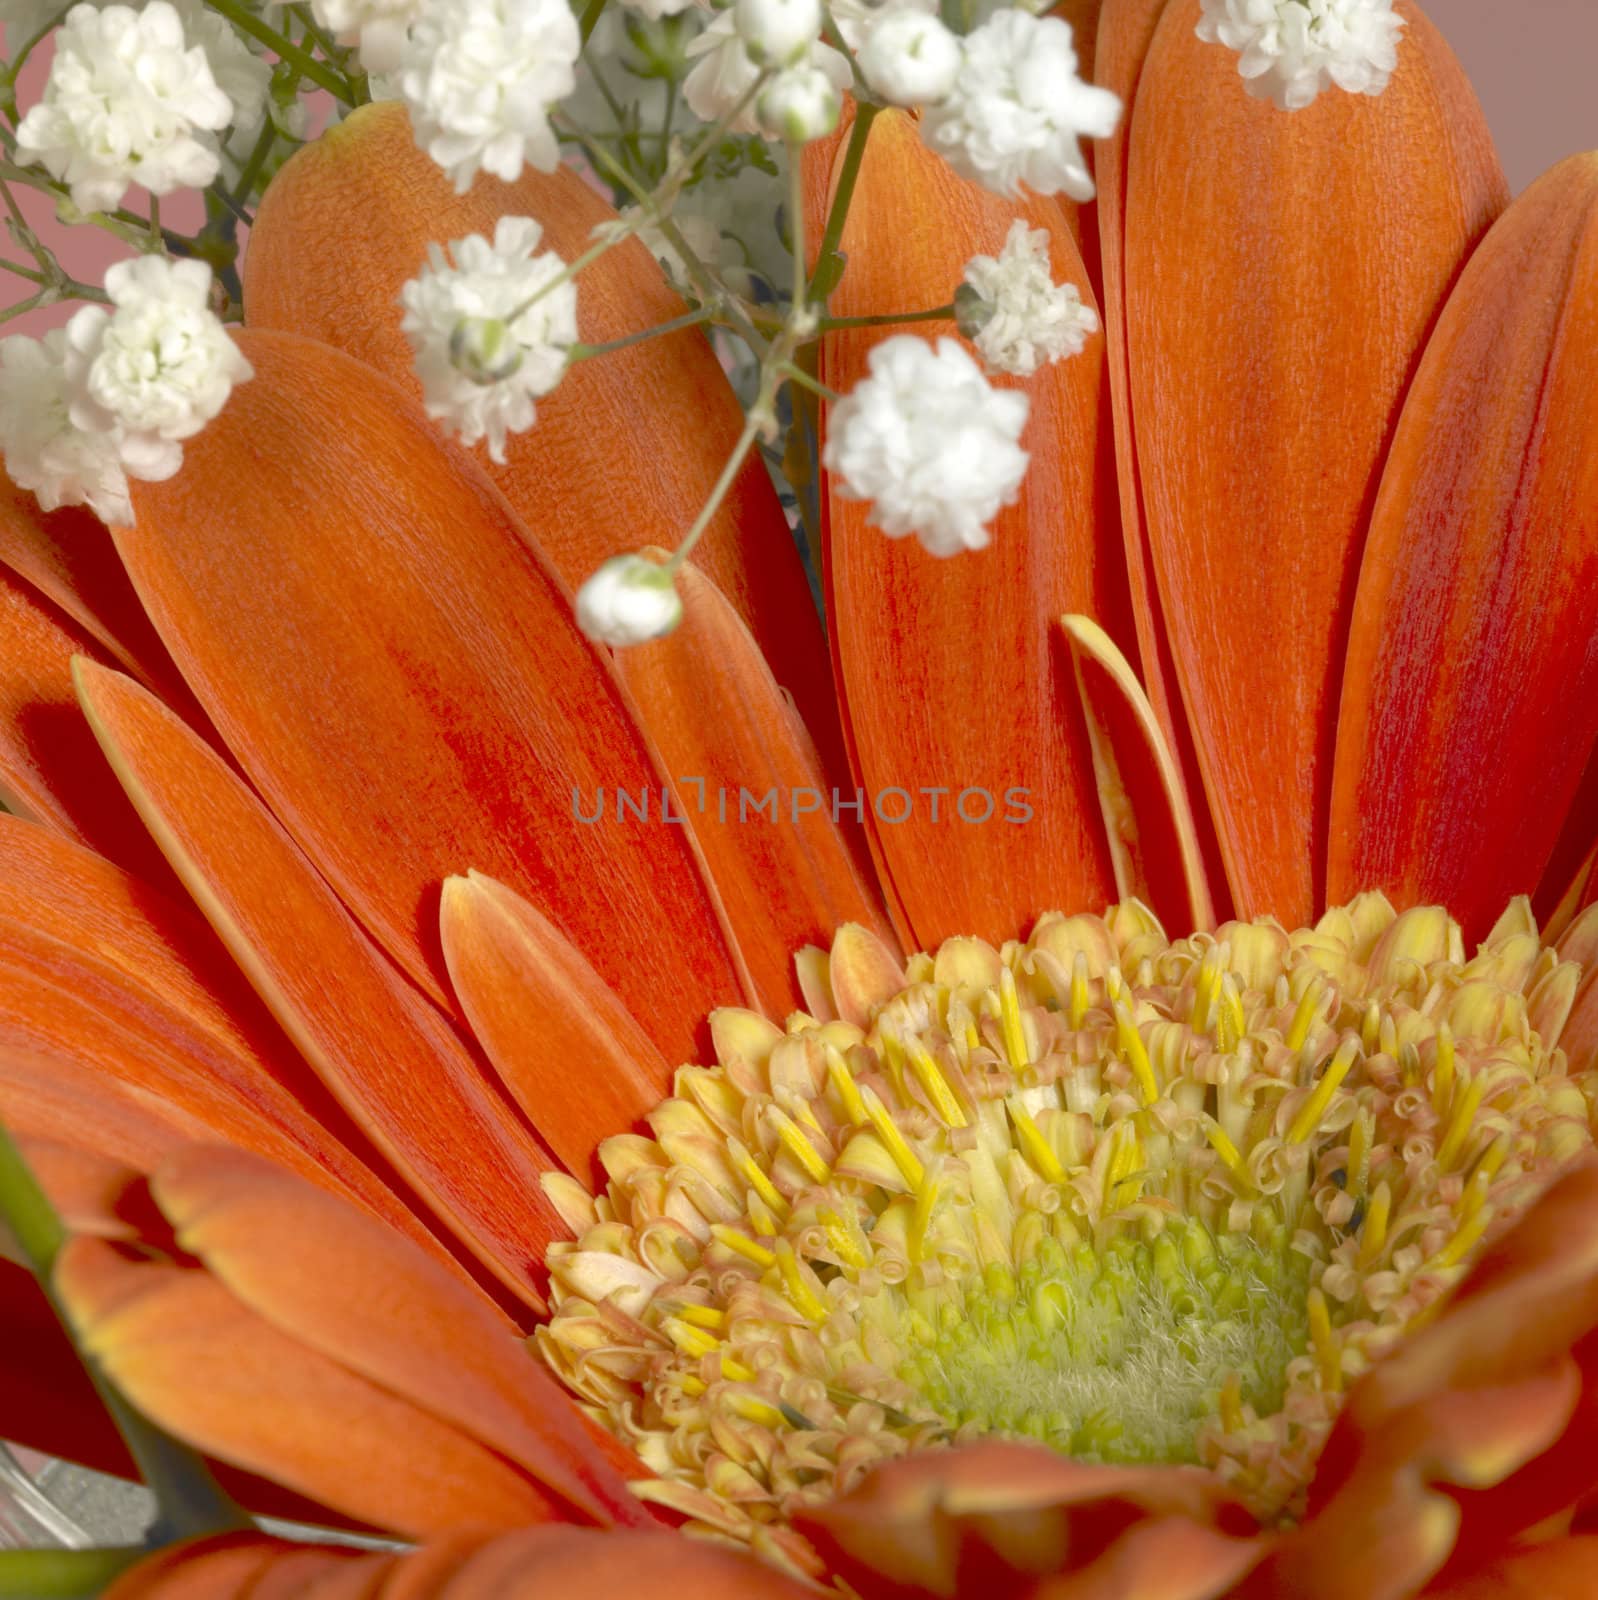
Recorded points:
1136,1199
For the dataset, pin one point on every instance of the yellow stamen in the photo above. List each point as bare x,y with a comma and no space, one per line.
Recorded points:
1308,1004
842,1079
1225,1149
1328,1350
931,1078
1443,1077
1033,1145
1010,1023
1233,1024
1467,1102
904,1158
1204,986
1077,1009
703,1316
1373,1232
753,1409
1464,1239
735,1371
752,1173
1131,1043
926,1201
742,1244
799,1147
690,1340
804,1299
1313,1109
1360,1138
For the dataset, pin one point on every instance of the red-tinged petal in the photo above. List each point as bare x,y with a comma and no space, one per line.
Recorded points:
862,974
995,1519
416,698
201,1365
389,1058
624,452
546,1562
1279,286
1167,1558
88,1190
1471,699
565,1047
288,1252
1153,841
67,555
1562,1569
49,768
792,870
64,1004
223,1567
1567,881
958,692
1580,1033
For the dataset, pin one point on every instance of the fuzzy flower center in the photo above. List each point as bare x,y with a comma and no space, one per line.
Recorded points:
1140,1200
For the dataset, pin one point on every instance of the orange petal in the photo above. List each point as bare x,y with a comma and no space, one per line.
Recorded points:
49,768
223,1567
1153,841
205,1368
784,854
1277,295
571,1055
292,1255
391,1061
1471,703
1553,1571
67,555
624,452
958,693
1580,943
67,1010
416,698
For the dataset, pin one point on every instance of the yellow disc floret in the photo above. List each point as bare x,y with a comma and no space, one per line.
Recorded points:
1136,1199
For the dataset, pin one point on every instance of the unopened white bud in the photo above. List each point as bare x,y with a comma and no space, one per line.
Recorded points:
799,104
775,32
483,349
629,600
910,58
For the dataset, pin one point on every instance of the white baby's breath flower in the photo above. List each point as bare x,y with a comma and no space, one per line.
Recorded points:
629,600
156,367
799,104
776,32
484,355
44,450
480,77
1018,109
725,73
128,100
241,72
1015,313
377,26
930,442
857,18
910,58
1291,50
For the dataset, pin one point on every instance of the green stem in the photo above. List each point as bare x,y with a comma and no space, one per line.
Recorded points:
718,492
829,264
796,222
156,241
805,381
583,352
63,1574
590,19
318,72
936,314
24,272
253,163
32,303
191,1502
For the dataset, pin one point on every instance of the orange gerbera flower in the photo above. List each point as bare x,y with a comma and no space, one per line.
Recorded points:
1255,1262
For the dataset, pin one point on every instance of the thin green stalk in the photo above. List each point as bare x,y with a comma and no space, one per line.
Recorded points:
191,1502
156,240
936,314
323,76
718,492
805,381
32,303
583,352
63,1574
829,264
590,19
25,235
24,272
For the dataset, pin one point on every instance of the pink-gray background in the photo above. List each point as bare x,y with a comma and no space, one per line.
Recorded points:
1533,63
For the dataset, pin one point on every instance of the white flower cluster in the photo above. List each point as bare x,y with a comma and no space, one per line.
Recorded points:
629,600
727,72
129,100
379,27
1015,313
480,78
1292,50
114,393
930,442
1018,109
486,348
